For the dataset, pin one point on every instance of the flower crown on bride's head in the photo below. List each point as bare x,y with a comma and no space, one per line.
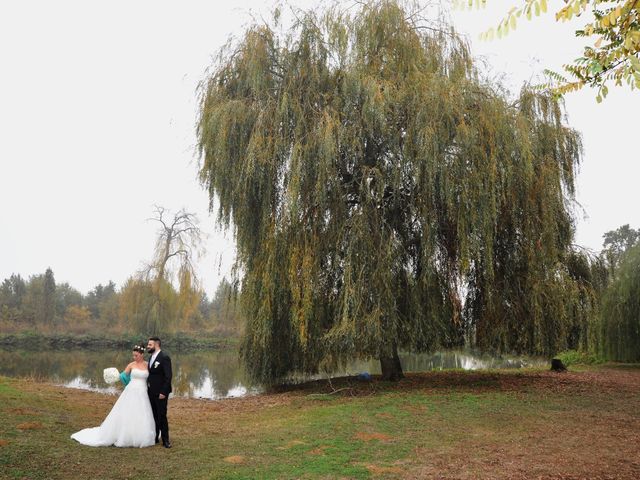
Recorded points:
138,348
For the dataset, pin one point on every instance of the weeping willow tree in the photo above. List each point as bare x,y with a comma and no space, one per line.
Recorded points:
621,311
384,196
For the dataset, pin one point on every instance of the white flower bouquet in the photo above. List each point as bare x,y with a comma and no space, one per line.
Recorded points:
111,375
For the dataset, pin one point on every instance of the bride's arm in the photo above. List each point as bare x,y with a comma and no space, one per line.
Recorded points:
128,369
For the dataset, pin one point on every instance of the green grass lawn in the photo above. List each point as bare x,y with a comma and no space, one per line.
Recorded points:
529,424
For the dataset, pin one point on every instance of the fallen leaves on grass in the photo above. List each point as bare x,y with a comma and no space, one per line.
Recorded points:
381,470
384,415
29,426
593,412
23,411
368,436
235,459
3,443
318,451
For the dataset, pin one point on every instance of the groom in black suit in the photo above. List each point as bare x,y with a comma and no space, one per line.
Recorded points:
159,388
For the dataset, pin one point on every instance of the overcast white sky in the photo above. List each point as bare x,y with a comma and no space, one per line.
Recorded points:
97,116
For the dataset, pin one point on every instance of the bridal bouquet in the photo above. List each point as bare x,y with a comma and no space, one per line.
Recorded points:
111,375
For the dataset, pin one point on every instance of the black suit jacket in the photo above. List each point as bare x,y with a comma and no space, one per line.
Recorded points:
160,375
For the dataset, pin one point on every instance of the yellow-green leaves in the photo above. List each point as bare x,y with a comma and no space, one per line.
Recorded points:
488,35
510,22
602,94
461,4
615,23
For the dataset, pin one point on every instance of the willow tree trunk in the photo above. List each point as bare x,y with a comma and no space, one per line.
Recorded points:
391,366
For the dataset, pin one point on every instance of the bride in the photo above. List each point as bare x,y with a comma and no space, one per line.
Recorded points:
130,422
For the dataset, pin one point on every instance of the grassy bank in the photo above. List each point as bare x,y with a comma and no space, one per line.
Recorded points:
35,340
463,425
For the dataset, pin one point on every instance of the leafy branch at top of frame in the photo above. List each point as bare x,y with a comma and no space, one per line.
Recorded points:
614,55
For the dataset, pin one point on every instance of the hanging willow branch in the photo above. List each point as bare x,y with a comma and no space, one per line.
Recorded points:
621,310
373,179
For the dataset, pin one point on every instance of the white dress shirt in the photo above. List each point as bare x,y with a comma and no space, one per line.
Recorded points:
153,358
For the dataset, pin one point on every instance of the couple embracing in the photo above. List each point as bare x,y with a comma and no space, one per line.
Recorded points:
139,416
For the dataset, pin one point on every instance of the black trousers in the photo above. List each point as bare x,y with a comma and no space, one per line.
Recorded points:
159,409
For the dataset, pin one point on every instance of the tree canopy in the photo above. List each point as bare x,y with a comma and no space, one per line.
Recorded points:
616,243
383,196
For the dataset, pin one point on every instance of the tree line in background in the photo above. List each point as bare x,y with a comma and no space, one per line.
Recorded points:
164,297
39,304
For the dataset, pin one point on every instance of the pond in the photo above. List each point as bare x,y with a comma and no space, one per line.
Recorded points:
212,374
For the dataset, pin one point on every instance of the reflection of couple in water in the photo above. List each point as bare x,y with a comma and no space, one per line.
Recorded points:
139,416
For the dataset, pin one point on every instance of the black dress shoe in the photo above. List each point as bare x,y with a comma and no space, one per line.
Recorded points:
166,444
157,441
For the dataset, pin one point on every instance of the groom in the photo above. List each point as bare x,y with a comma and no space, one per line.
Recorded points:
159,388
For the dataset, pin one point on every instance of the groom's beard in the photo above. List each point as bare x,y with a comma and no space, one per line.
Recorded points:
151,350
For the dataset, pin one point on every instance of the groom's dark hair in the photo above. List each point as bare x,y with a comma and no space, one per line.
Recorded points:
156,339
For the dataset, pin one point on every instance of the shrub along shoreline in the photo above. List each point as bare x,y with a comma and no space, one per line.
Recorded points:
35,340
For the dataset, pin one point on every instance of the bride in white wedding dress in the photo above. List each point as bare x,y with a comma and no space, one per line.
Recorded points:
130,422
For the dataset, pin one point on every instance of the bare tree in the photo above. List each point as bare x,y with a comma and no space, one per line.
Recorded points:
179,242
152,301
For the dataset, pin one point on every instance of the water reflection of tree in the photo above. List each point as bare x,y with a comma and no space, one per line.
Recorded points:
195,371
222,368
61,366
191,370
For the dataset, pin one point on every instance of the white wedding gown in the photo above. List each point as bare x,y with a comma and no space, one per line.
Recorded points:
129,423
